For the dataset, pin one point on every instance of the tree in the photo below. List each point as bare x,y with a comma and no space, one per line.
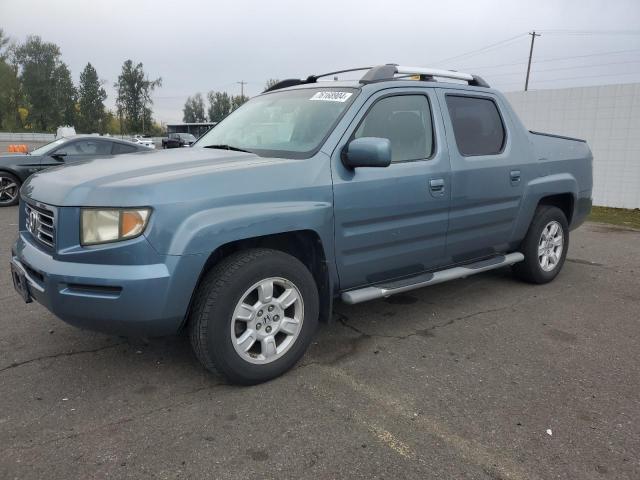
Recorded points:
65,92
237,101
270,83
134,102
46,82
219,105
110,125
193,111
9,87
10,93
4,45
91,97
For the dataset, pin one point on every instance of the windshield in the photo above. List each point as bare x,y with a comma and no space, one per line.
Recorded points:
288,124
43,150
188,136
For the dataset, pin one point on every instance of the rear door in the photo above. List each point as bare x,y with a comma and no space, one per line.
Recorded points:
486,174
391,222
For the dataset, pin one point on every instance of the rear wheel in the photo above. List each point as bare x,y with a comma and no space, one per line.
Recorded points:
545,246
9,189
254,315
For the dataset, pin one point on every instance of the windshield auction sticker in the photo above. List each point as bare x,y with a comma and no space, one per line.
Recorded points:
332,96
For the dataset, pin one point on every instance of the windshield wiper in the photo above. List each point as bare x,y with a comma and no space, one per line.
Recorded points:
228,147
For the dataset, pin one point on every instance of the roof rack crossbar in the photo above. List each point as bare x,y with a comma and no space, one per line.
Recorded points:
389,71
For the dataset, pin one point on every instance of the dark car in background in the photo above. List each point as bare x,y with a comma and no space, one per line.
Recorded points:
15,168
177,140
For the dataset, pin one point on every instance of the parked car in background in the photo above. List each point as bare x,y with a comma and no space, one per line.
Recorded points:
145,141
15,168
311,192
177,140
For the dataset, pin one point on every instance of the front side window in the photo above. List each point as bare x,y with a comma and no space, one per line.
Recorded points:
288,123
43,150
477,125
406,121
86,147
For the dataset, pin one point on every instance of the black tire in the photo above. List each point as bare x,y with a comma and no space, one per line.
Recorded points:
530,270
12,179
216,298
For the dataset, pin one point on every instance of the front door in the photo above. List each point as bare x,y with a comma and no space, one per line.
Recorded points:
391,222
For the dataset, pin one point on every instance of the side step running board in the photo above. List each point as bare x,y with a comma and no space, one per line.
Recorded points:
398,286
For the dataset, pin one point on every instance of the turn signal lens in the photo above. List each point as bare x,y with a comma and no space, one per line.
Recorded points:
112,225
132,222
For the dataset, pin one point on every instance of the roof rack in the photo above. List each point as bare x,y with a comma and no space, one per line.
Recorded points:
389,72
386,72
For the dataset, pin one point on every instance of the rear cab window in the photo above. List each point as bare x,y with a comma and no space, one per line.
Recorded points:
477,125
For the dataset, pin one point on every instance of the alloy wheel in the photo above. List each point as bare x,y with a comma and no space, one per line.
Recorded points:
267,320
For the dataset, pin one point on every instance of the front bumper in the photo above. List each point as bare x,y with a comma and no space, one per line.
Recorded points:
130,300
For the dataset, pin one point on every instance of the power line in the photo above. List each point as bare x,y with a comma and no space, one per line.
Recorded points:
591,32
581,77
483,49
556,59
595,65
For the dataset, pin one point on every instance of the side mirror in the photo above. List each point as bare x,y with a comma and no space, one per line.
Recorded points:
367,152
59,156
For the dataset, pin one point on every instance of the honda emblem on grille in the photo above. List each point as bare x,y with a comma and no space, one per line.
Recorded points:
33,222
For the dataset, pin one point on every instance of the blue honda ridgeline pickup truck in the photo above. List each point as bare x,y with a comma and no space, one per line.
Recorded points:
312,191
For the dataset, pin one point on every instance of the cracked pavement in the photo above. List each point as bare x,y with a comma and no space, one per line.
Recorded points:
458,380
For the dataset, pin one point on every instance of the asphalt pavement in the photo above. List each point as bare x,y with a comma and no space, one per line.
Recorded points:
480,378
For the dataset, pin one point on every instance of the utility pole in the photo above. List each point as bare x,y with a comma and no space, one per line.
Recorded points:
242,84
533,39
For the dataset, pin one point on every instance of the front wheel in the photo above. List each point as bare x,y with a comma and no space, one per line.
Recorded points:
254,315
545,246
9,189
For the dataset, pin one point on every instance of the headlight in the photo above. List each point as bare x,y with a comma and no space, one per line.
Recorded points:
112,224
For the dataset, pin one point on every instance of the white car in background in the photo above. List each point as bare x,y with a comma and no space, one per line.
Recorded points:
147,142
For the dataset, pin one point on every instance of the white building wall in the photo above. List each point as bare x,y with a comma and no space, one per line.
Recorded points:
608,117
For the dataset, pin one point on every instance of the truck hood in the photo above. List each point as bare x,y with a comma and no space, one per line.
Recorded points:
147,178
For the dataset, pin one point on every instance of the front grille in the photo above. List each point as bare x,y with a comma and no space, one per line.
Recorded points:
40,223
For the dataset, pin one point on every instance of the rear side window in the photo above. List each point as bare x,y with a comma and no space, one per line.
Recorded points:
119,148
406,121
477,125
85,147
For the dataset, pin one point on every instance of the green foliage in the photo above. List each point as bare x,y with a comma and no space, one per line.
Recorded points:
134,97
4,45
9,97
111,123
65,96
47,84
270,83
91,97
156,130
238,100
193,110
219,105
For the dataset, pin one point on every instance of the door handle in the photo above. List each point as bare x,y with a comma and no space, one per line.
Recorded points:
436,185
515,176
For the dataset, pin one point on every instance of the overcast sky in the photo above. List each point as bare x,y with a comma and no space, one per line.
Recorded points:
198,45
